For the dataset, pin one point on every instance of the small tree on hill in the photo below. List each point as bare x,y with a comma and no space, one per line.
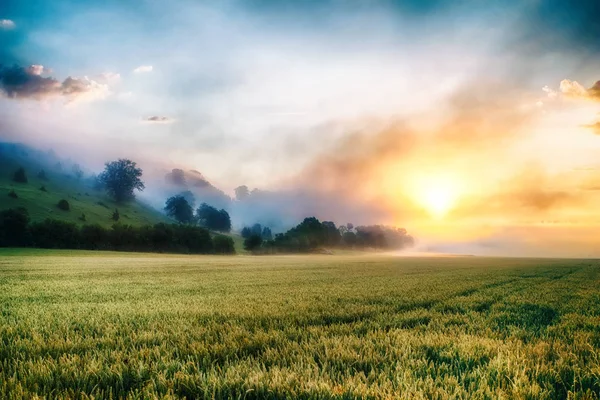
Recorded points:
120,178
115,215
179,208
20,176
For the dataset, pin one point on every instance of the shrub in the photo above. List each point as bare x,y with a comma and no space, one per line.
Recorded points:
13,227
64,205
223,244
43,188
20,176
94,237
54,234
82,217
115,215
102,204
13,194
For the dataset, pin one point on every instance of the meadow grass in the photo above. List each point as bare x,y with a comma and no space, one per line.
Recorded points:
96,205
120,325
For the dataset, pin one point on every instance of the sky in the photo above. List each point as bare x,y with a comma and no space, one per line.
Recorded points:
473,124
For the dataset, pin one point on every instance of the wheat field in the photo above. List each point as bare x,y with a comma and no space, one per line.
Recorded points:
86,325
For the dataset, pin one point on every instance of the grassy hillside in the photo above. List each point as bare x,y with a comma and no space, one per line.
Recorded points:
83,199
94,325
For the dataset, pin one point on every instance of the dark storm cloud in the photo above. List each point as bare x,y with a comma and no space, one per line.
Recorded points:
28,83
19,82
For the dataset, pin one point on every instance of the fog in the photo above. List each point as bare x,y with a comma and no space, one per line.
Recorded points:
348,112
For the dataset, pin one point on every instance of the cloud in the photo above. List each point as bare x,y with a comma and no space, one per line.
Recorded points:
158,119
594,127
575,89
28,83
7,24
108,77
143,68
35,69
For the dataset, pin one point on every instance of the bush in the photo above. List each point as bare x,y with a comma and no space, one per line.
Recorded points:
13,194
20,176
253,243
64,205
13,228
94,237
54,234
223,244
82,217
115,215
43,188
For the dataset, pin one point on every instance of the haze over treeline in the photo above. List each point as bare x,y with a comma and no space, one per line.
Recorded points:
471,124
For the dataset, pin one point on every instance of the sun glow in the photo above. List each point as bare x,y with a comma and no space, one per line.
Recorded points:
437,194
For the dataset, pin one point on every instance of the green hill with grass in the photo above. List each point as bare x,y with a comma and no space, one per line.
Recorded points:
41,195
87,204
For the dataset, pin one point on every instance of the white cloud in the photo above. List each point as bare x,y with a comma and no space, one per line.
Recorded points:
7,24
36,69
573,89
143,68
550,92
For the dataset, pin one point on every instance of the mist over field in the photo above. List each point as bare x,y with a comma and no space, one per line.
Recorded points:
471,125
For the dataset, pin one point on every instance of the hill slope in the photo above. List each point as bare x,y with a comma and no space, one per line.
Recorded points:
82,197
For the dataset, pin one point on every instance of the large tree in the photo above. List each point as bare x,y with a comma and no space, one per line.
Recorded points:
179,208
120,178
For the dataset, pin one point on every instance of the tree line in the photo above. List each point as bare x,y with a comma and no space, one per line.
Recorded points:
17,230
180,208
312,234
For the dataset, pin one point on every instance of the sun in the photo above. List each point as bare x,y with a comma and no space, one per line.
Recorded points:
438,200
437,194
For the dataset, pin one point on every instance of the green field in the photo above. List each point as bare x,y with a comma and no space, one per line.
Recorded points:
101,325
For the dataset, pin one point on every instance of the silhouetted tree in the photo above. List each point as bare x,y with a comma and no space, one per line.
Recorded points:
42,175
120,178
178,207
13,227
246,232
242,192
257,229
77,171
253,243
189,196
19,176
349,238
267,234
115,215
223,244
211,218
